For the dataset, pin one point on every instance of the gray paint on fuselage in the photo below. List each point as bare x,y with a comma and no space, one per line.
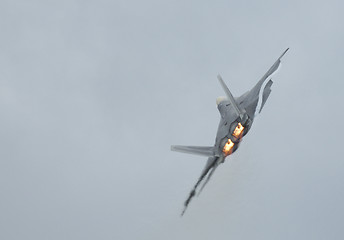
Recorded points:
243,112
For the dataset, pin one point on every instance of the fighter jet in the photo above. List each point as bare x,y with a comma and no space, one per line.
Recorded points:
237,115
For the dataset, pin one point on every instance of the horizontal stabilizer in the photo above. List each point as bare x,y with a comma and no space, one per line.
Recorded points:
196,150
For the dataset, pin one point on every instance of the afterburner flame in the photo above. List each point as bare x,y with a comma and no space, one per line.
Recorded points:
238,131
228,148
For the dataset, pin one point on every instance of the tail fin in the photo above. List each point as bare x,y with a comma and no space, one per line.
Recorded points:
202,151
230,97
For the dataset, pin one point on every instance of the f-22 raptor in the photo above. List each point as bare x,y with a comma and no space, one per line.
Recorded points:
237,115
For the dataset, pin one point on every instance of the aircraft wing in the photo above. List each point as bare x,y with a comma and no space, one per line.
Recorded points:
208,171
254,100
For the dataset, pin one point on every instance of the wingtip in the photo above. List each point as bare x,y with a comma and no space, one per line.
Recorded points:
284,53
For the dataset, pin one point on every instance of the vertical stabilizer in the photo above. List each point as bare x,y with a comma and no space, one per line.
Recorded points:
230,97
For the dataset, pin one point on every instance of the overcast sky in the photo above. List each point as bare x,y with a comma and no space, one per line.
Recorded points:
93,93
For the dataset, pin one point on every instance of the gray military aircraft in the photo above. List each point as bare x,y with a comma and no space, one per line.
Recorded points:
237,115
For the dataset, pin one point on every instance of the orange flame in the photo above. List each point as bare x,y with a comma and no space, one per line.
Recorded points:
238,131
228,148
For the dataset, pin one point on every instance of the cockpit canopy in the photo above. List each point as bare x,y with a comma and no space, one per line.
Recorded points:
220,99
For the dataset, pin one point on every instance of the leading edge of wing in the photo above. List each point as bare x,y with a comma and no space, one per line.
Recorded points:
252,101
211,163
271,70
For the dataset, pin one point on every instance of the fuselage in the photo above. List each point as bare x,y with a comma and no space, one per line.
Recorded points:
230,133
237,115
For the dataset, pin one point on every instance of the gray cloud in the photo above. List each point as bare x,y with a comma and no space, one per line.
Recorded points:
93,93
